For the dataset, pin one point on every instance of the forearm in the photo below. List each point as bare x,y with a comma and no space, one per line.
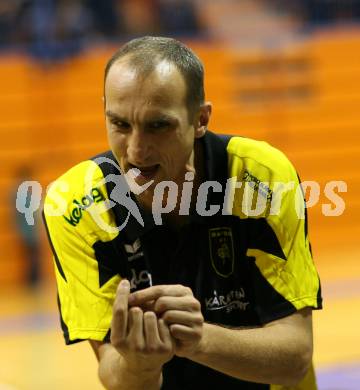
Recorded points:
115,374
263,355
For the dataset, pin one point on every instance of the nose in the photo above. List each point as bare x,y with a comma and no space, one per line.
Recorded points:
138,147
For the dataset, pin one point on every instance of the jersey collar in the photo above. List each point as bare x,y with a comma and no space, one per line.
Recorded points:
216,169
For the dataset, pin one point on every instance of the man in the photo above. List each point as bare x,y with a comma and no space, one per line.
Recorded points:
212,292
28,231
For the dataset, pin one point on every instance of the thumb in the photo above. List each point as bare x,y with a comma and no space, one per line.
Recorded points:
120,309
123,287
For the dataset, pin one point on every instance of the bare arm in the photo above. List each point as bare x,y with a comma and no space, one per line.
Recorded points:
278,353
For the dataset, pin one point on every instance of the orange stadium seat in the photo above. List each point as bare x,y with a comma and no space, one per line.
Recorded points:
303,99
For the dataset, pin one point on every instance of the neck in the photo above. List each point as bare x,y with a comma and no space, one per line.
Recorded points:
188,190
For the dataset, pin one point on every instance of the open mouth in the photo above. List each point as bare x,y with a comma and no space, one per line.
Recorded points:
146,172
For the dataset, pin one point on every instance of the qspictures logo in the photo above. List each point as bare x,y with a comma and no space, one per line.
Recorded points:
256,197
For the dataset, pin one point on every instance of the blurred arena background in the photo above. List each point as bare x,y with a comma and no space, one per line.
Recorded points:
287,72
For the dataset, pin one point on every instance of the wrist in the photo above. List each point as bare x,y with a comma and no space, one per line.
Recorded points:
202,345
145,371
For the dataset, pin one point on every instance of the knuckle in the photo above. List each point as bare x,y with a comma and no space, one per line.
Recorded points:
195,305
138,347
119,310
161,349
174,331
165,348
118,343
157,290
198,335
160,304
200,319
150,319
181,288
167,316
135,310
188,290
151,349
135,295
149,315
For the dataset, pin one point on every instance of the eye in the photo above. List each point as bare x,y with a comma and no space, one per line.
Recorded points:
158,125
120,125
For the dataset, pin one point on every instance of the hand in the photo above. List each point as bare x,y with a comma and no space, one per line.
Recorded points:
177,306
143,341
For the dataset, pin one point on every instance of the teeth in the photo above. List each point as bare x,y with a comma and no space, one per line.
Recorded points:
146,170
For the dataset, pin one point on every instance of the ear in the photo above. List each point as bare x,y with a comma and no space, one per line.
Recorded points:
203,119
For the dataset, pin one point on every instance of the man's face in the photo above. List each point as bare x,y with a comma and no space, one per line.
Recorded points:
148,123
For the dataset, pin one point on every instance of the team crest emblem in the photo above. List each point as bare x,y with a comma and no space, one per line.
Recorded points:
222,251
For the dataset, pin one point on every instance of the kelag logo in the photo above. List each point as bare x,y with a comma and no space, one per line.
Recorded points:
76,214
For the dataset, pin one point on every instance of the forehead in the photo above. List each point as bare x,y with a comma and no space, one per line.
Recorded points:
163,84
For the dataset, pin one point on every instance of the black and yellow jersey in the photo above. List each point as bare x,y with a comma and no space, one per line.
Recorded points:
246,264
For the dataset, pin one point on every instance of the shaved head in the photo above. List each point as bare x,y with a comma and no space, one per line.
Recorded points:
147,53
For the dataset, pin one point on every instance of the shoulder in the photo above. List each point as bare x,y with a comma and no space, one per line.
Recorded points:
80,184
76,202
258,160
266,175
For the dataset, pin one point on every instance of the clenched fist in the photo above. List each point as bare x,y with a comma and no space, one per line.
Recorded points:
179,309
143,340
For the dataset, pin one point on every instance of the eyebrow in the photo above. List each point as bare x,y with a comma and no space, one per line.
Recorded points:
112,115
160,117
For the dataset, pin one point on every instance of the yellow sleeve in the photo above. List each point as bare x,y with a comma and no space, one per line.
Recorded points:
289,268
85,297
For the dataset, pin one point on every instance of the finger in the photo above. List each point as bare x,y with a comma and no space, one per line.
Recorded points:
186,303
138,298
130,322
136,331
182,332
164,332
151,331
120,309
183,317
148,306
